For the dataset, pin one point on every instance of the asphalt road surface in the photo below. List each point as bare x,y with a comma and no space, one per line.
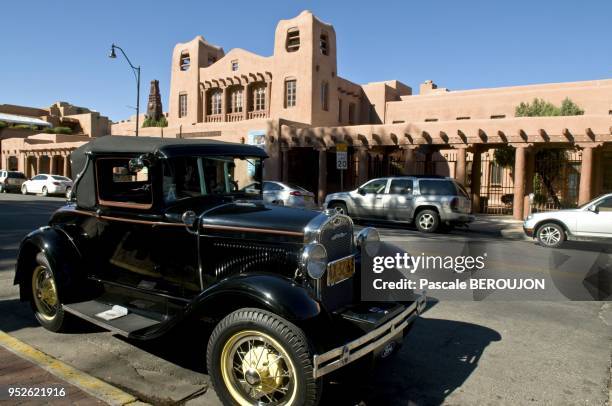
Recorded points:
459,353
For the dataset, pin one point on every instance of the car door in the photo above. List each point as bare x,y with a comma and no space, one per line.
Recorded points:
37,183
399,200
596,219
368,201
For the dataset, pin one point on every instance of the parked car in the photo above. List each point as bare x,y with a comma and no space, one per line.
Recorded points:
430,202
160,232
47,185
592,221
284,194
11,181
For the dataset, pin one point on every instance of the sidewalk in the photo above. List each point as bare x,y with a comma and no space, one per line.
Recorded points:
504,226
23,367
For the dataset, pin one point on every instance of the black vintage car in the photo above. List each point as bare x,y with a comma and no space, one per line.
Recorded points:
159,232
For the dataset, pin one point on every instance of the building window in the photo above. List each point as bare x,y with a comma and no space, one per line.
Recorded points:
216,100
496,174
185,61
293,40
463,118
290,93
323,44
182,104
259,98
325,96
351,113
236,102
498,116
235,65
339,110
430,120
211,59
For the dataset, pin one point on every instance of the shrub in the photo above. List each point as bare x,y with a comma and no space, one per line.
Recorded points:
542,108
149,122
21,127
3,124
62,130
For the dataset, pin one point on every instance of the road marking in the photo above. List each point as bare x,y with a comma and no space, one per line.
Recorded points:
93,386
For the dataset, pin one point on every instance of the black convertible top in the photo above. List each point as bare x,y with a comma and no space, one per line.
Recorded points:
164,147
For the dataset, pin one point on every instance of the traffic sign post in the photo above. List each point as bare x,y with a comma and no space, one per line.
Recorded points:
341,162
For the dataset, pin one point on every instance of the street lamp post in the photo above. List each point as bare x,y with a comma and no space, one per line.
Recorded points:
136,71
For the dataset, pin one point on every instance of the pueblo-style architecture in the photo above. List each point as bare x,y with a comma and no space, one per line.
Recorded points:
30,143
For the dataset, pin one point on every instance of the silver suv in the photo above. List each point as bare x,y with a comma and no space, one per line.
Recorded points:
592,221
430,202
11,181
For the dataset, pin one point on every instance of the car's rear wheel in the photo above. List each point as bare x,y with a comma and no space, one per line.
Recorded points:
24,190
45,192
427,221
257,357
45,300
551,235
339,208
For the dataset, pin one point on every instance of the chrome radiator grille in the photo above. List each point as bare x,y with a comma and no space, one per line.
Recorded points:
337,237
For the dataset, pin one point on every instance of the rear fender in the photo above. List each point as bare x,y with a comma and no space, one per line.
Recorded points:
62,255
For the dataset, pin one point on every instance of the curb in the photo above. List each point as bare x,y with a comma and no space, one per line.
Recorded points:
87,383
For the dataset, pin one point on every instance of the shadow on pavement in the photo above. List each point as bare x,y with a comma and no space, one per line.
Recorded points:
437,357
16,315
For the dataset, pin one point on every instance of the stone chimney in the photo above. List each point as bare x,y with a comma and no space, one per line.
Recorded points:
154,107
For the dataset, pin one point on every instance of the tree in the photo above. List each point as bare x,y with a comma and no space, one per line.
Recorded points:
149,122
504,156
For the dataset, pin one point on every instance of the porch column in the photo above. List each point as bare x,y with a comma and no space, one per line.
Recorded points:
322,175
586,176
409,161
598,172
460,166
204,105
475,180
224,104
268,97
38,164
519,183
529,173
285,159
21,166
362,163
245,102
52,165
67,165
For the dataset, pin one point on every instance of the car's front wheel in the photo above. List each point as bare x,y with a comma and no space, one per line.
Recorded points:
427,221
257,357
45,192
551,235
339,208
45,300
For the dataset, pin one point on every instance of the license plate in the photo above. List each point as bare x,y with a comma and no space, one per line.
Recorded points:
340,270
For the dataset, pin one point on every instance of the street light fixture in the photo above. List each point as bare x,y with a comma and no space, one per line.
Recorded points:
136,71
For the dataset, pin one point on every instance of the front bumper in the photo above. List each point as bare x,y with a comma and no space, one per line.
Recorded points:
374,340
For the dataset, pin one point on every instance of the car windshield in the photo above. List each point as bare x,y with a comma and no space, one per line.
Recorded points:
16,175
193,176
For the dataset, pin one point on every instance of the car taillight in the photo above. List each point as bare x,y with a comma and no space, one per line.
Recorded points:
295,193
454,204
56,183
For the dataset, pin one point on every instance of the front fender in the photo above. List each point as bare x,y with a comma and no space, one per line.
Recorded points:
61,253
277,294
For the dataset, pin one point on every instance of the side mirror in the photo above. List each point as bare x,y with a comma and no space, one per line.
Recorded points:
136,164
593,208
189,218
361,191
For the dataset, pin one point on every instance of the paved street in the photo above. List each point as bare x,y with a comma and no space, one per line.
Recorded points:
459,353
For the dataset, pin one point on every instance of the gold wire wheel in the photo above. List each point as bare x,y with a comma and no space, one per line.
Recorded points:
256,369
44,292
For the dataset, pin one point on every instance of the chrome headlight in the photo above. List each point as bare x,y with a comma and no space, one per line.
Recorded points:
314,260
370,239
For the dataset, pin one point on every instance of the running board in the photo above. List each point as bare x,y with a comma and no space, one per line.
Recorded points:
123,326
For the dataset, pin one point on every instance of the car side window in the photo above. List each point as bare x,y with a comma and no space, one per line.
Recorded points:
271,187
605,205
437,188
401,187
375,186
118,186
39,177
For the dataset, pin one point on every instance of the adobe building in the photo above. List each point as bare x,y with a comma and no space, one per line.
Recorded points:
26,147
294,104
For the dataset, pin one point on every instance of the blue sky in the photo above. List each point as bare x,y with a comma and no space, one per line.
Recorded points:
57,50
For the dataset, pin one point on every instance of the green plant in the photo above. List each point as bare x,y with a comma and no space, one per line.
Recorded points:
21,127
3,124
569,108
543,108
62,130
504,156
149,122
48,130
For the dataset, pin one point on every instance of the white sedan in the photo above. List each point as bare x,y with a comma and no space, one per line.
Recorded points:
47,185
592,221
